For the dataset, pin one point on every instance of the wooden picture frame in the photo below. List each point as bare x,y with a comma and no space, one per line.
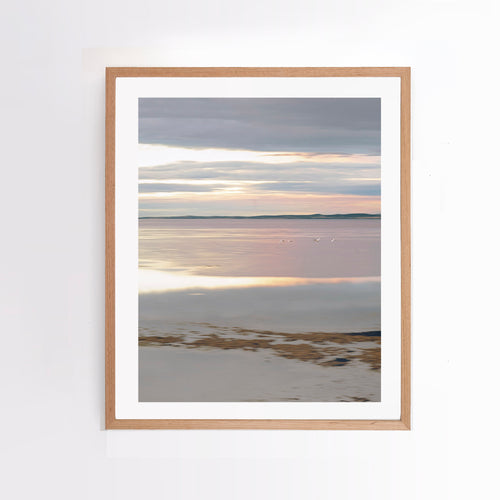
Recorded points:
114,421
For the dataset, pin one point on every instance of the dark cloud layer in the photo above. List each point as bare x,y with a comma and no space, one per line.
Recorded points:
318,178
317,125
354,188
358,189
257,171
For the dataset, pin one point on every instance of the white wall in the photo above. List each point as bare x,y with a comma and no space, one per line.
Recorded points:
52,253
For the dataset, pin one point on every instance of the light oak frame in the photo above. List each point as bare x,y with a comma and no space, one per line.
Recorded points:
403,423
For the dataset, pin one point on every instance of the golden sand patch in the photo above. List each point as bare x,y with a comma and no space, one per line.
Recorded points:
160,340
370,356
213,340
304,352
319,337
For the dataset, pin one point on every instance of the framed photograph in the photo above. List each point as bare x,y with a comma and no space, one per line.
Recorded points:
258,248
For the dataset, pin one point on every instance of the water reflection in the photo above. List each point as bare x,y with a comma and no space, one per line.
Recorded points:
258,248
161,281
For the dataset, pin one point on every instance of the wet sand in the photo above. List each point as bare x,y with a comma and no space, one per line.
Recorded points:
196,375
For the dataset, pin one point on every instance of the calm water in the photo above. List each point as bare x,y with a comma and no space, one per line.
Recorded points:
209,284
249,247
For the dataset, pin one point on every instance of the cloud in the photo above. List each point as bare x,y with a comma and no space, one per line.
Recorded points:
322,188
258,171
172,188
152,155
258,156
303,125
314,178
313,188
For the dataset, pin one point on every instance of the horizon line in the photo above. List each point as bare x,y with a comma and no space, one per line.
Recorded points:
295,216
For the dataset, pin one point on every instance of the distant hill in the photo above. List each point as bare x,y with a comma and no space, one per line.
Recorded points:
311,216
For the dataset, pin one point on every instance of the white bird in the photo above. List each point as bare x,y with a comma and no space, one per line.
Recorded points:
316,240
332,240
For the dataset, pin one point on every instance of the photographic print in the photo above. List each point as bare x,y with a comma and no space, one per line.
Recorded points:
259,249
255,281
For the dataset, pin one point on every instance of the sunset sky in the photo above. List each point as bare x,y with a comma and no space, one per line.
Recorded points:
258,156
